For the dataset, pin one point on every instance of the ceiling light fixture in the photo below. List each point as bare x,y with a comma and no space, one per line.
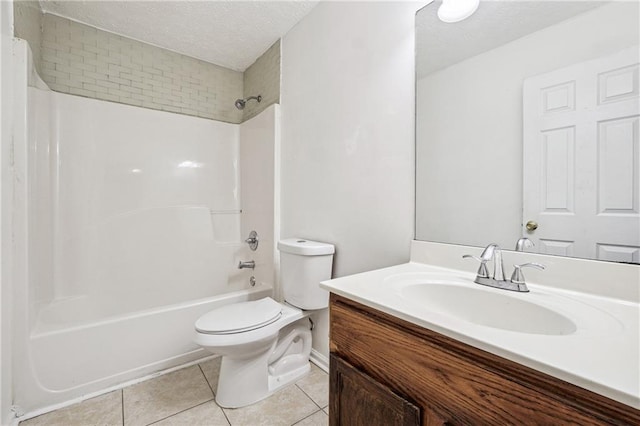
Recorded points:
457,10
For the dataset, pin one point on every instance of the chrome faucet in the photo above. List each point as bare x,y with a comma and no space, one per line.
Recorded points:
523,243
493,251
248,264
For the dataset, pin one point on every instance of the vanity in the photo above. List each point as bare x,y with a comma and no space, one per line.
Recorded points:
422,344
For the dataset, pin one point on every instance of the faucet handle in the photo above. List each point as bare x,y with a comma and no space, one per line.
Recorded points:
482,269
517,277
252,240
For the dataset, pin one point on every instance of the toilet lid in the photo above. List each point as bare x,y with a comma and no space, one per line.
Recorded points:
239,317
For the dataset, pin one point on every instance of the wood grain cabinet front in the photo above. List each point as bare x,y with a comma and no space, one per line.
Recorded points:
386,371
361,401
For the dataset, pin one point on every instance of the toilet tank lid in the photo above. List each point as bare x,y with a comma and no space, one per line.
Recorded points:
303,247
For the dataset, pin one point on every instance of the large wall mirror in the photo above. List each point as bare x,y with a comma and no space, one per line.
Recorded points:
528,125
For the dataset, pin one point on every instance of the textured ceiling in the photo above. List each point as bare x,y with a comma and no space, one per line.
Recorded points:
439,45
232,34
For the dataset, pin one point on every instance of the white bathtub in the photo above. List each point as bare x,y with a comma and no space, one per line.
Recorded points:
67,363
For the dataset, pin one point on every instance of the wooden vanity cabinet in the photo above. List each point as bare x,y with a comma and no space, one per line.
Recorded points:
387,371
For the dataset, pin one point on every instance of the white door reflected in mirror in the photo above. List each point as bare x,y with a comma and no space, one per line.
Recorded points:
581,164
470,128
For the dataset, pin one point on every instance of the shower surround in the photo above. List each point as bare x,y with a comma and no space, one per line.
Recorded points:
133,225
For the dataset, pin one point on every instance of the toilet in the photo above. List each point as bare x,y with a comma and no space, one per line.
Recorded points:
264,344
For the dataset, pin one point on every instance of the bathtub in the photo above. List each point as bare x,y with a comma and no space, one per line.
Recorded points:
66,363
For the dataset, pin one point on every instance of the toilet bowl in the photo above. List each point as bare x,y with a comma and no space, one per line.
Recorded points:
264,344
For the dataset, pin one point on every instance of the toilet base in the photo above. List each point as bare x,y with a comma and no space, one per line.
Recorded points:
245,380
275,383
278,382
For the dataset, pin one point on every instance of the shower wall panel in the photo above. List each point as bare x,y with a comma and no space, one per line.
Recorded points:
146,208
259,154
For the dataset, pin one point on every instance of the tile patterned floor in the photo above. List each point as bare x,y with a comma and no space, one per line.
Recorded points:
186,398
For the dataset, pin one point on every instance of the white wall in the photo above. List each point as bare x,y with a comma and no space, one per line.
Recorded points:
475,109
6,71
347,99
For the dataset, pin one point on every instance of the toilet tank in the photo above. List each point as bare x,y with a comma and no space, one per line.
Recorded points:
303,264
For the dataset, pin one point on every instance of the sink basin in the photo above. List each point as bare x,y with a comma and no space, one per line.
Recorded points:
487,308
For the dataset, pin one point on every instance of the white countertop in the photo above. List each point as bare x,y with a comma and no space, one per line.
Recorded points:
602,355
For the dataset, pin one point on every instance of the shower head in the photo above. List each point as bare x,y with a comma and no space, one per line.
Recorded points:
240,103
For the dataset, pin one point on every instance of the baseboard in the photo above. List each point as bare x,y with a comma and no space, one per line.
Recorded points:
320,360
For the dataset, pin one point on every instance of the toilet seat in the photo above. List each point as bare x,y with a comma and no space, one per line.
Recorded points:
253,338
240,317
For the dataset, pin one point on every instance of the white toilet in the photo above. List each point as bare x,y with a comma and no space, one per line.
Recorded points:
265,344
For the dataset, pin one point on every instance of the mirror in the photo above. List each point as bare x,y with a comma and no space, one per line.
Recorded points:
528,111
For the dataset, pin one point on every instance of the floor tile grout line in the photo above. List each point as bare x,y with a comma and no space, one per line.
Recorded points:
214,395
225,416
122,404
308,396
304,418
182,411
206,380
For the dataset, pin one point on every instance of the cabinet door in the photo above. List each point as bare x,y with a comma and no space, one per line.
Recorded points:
356,399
